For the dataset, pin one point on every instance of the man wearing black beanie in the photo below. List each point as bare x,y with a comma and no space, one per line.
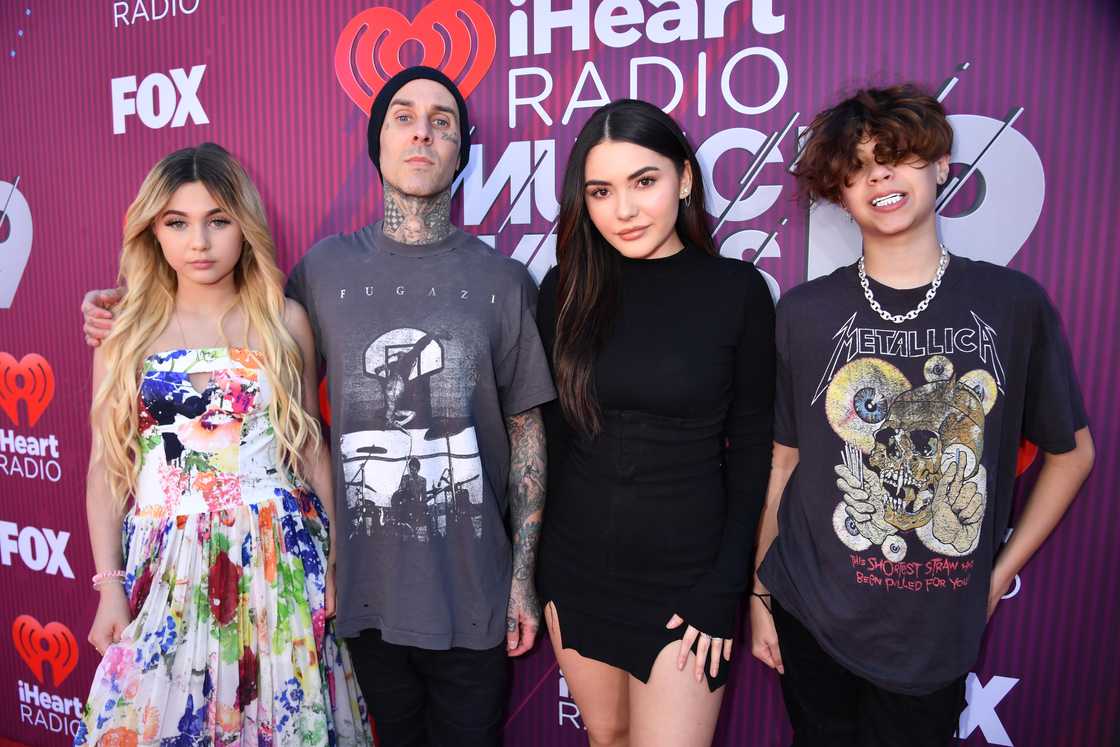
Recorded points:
436,373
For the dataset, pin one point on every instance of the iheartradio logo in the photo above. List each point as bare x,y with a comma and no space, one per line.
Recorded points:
457,37
30,380
52,644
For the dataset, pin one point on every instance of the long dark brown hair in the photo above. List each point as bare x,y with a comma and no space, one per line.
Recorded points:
588,266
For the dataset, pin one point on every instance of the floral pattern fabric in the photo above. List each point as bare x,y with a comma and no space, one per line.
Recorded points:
225,559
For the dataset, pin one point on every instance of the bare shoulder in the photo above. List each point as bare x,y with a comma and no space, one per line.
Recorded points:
294,313
297,322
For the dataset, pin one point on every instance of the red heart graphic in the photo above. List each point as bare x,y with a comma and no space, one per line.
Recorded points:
324,402
1025,457
368,49
38,645
30,380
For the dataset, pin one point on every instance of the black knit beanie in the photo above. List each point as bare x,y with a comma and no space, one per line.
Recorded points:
381,107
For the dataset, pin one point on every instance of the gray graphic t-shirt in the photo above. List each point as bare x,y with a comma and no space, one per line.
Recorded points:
427,348
909,436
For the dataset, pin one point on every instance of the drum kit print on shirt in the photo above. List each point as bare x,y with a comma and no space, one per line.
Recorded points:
416,475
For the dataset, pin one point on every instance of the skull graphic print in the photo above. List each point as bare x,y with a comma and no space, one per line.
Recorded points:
910,466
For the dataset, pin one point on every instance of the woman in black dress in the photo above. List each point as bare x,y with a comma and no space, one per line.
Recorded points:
659,444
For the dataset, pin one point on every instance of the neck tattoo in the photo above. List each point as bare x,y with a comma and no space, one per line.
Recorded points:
416,220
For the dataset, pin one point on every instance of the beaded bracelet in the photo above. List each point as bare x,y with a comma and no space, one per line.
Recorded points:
100,578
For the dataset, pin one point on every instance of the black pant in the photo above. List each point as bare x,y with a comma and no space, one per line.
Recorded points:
828,705
422,698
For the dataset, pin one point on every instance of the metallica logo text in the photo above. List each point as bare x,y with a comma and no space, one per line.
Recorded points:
902,343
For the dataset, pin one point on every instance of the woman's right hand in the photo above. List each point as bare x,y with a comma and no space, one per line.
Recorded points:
112,618
97,319
764,636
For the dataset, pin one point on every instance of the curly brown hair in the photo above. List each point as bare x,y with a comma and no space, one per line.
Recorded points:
904,121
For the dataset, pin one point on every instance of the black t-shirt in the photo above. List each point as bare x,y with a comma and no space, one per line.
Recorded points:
908,435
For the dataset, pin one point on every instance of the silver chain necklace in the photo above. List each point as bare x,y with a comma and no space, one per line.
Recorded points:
913,313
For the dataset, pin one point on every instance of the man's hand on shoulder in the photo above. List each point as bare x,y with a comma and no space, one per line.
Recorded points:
97,317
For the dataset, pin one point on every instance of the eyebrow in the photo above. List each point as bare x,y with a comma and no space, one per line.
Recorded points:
180,212
635,175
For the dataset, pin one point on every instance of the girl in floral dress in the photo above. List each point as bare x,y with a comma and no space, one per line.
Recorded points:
214,615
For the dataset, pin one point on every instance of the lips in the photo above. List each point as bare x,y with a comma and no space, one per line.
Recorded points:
204,264
632,233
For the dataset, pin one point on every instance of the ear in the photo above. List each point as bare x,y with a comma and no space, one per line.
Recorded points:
686,179
941,165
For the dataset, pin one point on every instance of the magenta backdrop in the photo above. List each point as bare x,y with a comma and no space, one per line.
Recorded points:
78,134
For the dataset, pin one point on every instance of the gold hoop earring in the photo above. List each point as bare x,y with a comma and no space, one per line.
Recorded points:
687,197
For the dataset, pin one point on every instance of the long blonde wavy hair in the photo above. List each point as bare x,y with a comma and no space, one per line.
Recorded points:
149,300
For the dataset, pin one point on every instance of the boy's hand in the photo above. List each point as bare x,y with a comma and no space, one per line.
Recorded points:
96,315
764,636
999,586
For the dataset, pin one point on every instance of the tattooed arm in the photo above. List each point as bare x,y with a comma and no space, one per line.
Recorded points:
526,507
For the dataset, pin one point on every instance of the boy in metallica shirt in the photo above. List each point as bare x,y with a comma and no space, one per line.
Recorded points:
904,384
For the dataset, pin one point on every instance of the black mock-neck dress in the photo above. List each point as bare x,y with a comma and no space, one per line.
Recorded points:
656,514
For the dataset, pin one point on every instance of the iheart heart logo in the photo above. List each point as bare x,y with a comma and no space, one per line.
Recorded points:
31,380
369,48
52,644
